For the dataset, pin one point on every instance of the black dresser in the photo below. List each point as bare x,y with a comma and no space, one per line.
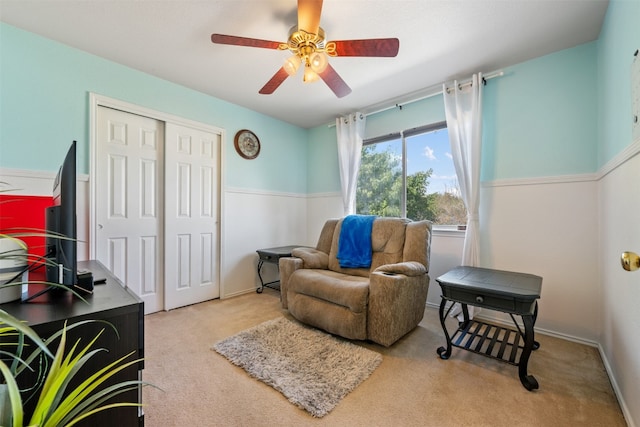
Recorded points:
110,302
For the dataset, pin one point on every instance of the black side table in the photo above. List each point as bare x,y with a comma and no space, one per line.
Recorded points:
272,255
505,291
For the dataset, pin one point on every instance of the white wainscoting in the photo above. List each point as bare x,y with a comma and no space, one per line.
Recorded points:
446,253
320,207
548,228
254,220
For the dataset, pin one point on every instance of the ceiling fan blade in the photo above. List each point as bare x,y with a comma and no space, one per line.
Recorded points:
368,47
309,15
273,84
243,41
335,82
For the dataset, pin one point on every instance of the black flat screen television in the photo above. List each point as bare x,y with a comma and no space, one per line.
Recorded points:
61,226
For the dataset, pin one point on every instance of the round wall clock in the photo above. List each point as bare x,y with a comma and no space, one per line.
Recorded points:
247,144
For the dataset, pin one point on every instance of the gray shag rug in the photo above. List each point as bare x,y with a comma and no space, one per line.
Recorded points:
311,368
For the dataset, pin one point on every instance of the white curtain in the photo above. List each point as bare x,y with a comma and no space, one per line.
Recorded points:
463,110
350,132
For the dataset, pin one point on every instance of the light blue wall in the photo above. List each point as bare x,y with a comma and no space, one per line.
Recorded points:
539,119
323,174
44,105
620,38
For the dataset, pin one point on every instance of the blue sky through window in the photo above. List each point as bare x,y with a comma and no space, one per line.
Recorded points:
425,151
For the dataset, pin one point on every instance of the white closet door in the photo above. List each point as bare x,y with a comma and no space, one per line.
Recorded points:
129,202
192,184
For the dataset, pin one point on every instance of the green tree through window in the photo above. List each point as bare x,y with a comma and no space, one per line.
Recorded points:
420,205
379,183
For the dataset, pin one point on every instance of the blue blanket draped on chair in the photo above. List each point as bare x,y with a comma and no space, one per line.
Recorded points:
354,245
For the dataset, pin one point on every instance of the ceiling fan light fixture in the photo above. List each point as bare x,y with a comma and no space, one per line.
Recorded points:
310,48
319,62
298,39
292,64
310,76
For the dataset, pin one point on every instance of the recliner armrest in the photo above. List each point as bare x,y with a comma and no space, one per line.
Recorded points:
397,298
287,266
409,268
311,258
300,258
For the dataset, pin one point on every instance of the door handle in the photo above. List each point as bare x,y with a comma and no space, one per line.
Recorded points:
630,261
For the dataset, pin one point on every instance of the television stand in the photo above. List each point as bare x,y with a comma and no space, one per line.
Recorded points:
112,302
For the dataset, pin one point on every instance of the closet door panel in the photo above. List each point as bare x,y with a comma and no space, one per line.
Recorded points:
129,203
192,185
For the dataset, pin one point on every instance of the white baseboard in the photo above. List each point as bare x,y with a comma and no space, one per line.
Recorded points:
236,294
616,388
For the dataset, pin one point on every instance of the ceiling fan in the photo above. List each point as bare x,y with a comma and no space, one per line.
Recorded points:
310,48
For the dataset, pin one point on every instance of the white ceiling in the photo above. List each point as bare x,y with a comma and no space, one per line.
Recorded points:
439,40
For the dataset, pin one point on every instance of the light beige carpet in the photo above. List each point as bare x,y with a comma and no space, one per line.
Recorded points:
411,387
313,369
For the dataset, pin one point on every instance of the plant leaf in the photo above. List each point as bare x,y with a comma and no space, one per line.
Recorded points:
62,371
55,336
86,387
42,407
23,328
92,404
14,395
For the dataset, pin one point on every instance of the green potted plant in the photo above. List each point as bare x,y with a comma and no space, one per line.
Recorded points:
11,362
58,404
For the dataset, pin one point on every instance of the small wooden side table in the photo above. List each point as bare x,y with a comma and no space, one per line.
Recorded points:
272,255
505,291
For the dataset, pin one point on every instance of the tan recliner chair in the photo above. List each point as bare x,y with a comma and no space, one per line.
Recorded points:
381,303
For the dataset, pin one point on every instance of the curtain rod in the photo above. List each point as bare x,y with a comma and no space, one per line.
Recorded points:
420,95
433,91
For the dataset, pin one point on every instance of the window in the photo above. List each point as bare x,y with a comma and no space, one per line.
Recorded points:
410,174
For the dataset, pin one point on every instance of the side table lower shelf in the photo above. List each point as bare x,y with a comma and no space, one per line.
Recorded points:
496,342
513,346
